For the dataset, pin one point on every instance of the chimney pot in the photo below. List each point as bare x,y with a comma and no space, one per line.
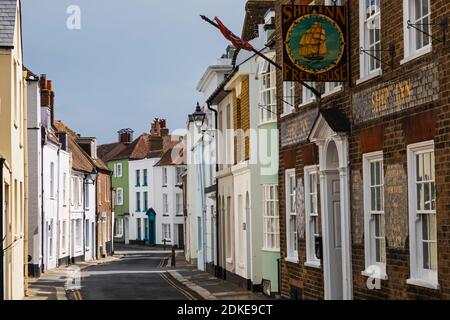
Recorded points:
43,82
49,85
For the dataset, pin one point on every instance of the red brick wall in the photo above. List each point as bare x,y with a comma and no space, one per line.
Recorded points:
391,133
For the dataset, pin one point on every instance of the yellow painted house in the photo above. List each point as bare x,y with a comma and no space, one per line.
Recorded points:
13,156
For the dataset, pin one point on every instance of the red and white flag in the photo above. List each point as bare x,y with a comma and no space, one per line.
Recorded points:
235,40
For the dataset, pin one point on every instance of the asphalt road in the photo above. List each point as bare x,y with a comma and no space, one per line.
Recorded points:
137,275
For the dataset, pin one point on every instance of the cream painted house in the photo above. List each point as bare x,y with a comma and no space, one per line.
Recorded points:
13,154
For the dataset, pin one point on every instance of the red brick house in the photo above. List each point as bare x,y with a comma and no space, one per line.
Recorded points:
371,164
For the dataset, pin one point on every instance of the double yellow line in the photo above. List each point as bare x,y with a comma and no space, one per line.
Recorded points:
177,287
183,291
77,294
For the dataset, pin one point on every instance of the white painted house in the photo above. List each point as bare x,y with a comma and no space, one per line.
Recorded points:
204,149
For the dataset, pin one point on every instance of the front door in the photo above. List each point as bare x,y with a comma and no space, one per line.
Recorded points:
180,236
335,236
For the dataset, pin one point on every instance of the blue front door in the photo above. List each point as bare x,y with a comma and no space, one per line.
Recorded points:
151,230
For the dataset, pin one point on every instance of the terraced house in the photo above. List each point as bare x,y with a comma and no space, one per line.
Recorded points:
372,161
13,152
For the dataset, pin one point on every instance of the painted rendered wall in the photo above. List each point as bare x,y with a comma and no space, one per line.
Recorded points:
13,135
34,177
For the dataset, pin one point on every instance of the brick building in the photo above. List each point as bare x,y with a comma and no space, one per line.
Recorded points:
370,163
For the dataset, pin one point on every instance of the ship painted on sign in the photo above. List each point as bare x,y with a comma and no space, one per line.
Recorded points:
313,44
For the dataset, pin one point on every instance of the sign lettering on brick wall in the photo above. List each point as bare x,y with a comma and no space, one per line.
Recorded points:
296,130
315,43
417,88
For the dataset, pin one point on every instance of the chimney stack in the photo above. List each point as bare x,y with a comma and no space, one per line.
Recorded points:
46,107
125,136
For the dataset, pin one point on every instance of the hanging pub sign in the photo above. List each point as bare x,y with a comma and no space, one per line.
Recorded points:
315,43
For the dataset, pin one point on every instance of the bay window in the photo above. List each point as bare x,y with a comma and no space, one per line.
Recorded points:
374,216
271,218
422,215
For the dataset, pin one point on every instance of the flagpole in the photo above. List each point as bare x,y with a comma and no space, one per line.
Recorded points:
278,66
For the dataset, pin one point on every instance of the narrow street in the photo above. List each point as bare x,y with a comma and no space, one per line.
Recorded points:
137,275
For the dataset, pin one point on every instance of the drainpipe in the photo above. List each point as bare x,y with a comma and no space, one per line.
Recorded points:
25,227
42,204
2,294
217,185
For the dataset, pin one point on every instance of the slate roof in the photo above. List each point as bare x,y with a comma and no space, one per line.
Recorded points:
7,22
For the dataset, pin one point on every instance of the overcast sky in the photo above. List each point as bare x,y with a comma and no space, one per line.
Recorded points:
131,61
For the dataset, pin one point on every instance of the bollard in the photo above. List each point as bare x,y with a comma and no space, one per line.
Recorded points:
173,263
164,244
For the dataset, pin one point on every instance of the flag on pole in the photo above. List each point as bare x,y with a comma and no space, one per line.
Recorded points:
235,40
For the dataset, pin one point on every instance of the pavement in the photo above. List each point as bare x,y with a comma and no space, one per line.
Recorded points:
135,273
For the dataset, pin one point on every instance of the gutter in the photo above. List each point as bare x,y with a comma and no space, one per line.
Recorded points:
2,294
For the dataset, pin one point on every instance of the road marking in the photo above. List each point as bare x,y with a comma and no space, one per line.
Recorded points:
145,251
181,290
101,273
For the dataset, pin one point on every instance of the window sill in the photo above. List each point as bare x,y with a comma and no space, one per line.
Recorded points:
313,264
369,77
423,283
264,123
292,260
368,274
270,250
229,260
332,92
285,114
416,55
307,103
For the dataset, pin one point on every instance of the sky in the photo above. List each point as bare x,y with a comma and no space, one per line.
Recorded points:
130,62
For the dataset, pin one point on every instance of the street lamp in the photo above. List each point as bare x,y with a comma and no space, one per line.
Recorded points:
198,116
91,176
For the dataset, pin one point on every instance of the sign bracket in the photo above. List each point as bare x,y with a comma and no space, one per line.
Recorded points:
278,66
443,25
370,53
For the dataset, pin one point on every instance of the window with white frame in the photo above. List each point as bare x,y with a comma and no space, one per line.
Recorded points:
119,227
164,176
307,95
332,87
166,231
165,204
119,197
50,238
374,217
268,92
118,170
289,97
78,232
145,201
291,216
422,215
145,178
64,237
271,218
179,172
138,178
370,37
86,195
179,203
418,13
312,214
138,202
88,235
